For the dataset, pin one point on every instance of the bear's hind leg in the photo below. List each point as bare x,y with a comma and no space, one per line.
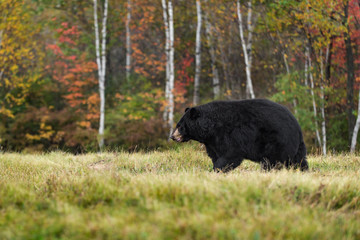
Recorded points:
267,165
303,165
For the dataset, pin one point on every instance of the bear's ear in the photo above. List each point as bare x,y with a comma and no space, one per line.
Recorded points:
187,109
194,113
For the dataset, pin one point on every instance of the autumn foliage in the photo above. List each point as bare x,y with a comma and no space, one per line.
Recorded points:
49,93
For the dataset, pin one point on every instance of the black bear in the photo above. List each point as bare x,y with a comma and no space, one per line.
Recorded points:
258,129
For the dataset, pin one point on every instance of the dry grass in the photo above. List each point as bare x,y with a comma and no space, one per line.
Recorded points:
175,195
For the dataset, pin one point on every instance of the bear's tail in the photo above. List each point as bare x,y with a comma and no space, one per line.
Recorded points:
300,157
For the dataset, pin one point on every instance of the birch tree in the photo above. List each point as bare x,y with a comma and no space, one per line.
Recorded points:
128,40
246,44
170,72
197,54
322,98
356,129
101,64
308,57
167,51
215,73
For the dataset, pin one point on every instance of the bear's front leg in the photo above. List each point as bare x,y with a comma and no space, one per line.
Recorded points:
225,164
211,153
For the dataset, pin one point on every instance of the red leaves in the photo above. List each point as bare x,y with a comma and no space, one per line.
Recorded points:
55,49
184,79
68,34
75,74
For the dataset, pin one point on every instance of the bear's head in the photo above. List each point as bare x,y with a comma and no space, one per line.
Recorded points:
192,126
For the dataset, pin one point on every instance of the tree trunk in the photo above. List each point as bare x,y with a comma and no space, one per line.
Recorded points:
350,73
313,97
246,45
322,97
306,70
167,51
356,129
215,73
171,68
128,41
101,63
197,55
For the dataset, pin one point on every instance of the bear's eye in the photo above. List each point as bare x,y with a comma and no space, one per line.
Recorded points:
182,129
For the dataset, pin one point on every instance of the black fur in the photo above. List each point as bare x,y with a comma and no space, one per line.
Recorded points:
258,130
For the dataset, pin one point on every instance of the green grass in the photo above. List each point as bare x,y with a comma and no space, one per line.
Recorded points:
175,195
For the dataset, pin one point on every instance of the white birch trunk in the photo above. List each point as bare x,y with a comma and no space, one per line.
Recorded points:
101,63
171,68
167,50
356,129
215,73
306,66
246,45
128,41
323,123
322,107
313,100
286,63
197,54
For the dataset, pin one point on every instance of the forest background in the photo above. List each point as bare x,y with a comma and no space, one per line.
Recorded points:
76,79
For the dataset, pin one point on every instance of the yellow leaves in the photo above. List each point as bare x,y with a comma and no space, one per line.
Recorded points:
131,117
14,68
6,112
18,50
45,132
228,93
32,137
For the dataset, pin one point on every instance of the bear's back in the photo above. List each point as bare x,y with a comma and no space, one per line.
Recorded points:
258,115
249,110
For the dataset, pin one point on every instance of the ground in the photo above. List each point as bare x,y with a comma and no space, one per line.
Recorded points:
175,195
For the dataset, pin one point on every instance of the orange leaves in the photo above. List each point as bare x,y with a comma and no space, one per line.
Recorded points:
84,124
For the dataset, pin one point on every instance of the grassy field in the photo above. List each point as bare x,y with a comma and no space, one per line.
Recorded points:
175,195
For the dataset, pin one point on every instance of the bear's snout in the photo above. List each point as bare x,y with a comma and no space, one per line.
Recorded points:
176,136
